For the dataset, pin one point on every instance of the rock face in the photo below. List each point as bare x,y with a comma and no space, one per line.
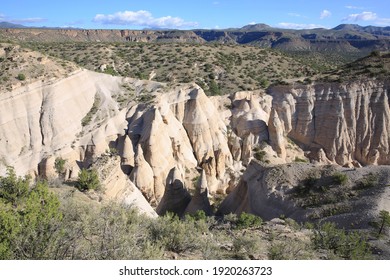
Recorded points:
306,192
163,135
349,122
41,119
118,187
176,196
200,200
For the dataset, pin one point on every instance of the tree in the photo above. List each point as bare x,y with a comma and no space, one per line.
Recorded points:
88,179
59,165
13,188
384,221
30,218
214,88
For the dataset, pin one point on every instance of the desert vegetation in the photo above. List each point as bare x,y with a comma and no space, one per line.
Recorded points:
38,221
219,69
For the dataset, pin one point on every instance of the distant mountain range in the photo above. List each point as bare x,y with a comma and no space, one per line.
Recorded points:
343,39
5,24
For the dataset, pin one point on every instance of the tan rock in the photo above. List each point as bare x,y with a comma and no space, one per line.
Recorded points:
200,200
142,176
176,197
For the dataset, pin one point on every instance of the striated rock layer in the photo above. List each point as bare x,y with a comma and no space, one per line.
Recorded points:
348,123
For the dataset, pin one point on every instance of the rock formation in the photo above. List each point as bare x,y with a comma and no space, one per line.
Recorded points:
163,134
176,197
287,190
349,122
200,199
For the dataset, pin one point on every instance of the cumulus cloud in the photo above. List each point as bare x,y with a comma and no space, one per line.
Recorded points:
290,25
143,18
325,14
364,16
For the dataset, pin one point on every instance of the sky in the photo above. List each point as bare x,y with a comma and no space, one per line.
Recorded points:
204,14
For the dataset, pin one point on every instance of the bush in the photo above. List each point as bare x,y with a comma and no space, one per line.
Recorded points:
246,220
369,181
21,77
345,245
59,165
29,219
88,180
340,178
298,159
383,221
199,215
260,155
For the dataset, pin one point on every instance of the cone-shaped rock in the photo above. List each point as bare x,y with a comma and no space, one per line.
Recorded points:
200,200
142,175
176,197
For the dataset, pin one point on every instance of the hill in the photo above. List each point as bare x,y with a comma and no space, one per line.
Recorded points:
376,65
219,69
341,44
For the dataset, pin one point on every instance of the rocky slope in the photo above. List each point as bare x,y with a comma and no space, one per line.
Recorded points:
182,150
305,192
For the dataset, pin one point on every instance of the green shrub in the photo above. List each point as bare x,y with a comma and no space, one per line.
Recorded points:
197,216
345,245
214,88
340,178
260,155
298,159
59,165
88,179
95,106
29,218
246,220
21,77
382,222
174,234
369,181
13,188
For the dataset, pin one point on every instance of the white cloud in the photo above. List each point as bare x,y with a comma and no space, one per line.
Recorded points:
354,7
289,25
325,14
364,16
3,17
294,15
383,21
143,18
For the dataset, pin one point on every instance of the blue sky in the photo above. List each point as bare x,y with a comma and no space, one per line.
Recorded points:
140,14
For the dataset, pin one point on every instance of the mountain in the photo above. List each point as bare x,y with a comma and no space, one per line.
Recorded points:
255,27
5,24
345,40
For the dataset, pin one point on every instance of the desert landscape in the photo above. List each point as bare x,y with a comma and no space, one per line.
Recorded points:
242,143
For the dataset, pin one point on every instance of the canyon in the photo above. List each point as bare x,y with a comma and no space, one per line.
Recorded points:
171,148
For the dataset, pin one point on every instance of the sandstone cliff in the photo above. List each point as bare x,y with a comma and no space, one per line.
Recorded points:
348,123
165,134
